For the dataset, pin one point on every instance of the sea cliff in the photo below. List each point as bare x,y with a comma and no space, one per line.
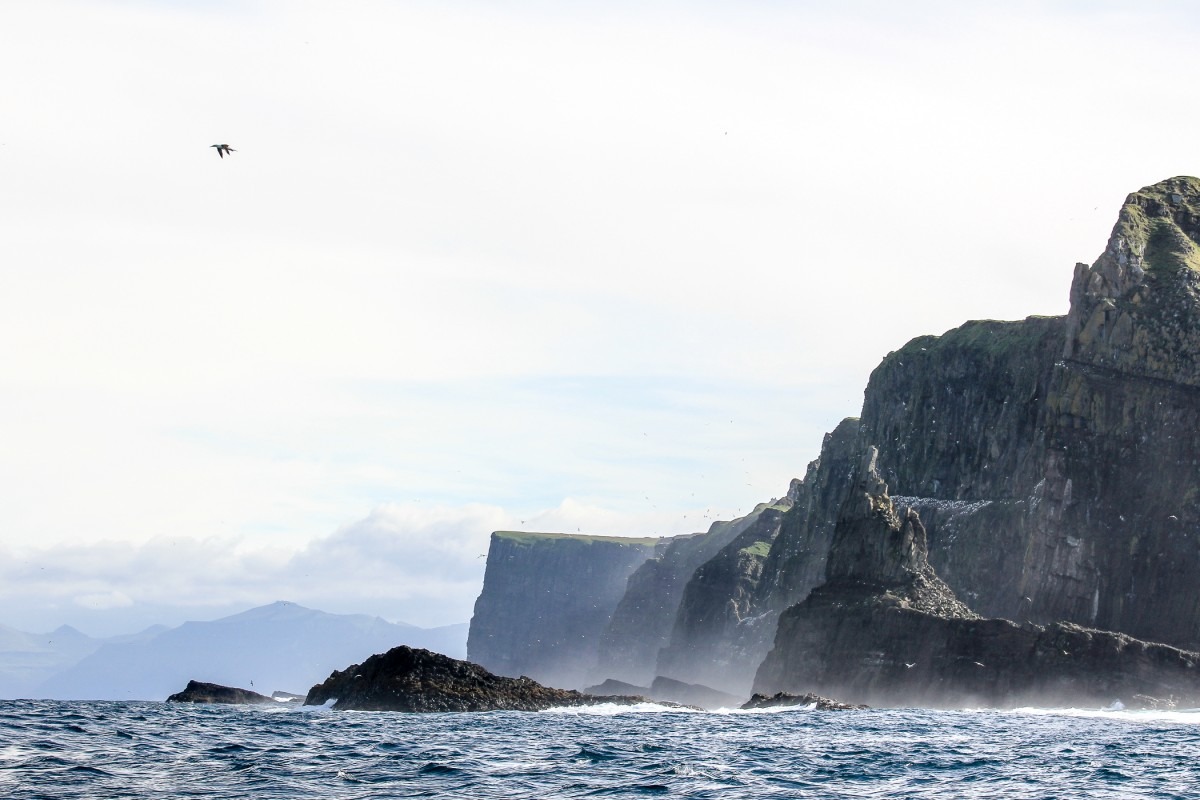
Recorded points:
546,601
1052,463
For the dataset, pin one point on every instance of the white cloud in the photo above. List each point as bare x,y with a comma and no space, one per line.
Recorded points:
417,564
104,600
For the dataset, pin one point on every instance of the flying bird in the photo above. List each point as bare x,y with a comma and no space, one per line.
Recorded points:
222,149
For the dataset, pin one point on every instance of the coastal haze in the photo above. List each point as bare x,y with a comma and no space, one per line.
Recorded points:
611,271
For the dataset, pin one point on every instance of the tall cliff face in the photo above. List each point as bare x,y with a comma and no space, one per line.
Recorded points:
1116,539
716,617
1054,464
884,629
730,604
546,601
642,622
959,423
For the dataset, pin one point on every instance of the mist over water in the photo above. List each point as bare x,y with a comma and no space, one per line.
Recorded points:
135,750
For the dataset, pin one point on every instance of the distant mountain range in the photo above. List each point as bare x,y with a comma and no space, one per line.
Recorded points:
277,647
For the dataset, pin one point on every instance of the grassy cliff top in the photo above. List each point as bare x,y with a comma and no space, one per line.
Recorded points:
530,537
986,336
1159,223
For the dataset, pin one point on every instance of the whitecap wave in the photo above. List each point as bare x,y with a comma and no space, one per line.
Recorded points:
1117,711
613,709
769,709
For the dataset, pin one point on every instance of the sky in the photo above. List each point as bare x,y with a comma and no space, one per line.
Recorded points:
611,268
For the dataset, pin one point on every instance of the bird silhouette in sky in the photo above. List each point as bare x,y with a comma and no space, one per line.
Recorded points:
222,149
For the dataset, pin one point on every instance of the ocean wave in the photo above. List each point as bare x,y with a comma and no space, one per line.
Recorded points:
151,751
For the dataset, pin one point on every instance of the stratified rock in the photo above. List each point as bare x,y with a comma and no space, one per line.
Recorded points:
407,679
546,601
885,630
200,692
786,700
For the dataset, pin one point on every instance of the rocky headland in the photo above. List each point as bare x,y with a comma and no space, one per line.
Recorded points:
546,601
1051,466
884,629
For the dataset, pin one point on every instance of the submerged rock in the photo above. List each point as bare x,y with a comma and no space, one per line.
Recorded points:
414,680
200,692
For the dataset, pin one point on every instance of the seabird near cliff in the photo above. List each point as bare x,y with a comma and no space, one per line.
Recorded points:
222,149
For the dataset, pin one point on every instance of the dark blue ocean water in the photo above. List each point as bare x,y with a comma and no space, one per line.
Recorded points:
154,750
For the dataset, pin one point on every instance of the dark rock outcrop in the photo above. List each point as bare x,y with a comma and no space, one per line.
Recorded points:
546,601
200,692
786,700
413,680
885,630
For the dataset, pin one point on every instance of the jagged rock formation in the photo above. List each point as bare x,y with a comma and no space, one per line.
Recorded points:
200,692
546,601
885,630
726,621
414,680
1053,462
1123,431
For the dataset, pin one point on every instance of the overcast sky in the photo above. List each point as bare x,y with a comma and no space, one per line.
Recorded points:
610,267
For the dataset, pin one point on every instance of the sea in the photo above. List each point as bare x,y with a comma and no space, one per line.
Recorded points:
51,749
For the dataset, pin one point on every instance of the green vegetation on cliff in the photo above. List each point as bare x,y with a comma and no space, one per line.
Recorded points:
531,538
1155,223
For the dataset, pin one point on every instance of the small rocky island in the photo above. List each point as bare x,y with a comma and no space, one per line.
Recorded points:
415,680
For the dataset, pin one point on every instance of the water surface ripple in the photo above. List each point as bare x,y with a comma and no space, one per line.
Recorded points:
154,750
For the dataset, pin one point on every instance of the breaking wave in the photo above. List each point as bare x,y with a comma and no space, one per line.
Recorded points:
155,750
